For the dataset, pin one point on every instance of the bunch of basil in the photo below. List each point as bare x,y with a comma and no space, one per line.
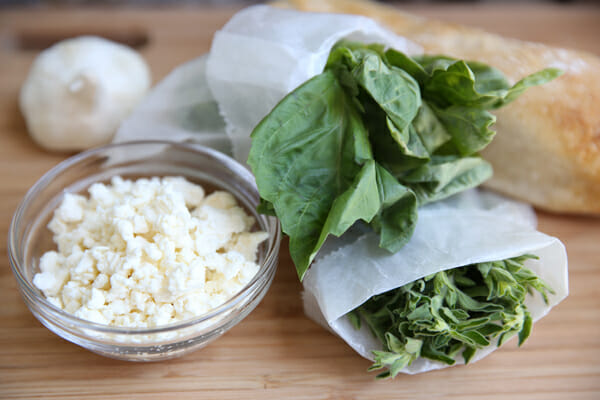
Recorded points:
373,137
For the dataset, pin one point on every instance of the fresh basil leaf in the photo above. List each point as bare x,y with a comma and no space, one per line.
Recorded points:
487,79
397,223
408,140
432,133
360,201
468,126
464,83
408,64
432,63
398,213
394,90
445,176
454,85
397,152
390,190
473,84
536,79
304,154
352,53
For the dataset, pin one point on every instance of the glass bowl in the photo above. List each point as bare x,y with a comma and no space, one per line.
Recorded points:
29,238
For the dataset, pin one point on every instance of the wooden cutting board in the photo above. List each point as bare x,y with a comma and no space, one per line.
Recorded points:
276,352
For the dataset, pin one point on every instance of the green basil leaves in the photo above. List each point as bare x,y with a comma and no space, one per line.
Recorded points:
372,138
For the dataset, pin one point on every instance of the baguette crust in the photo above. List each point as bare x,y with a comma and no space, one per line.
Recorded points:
547,149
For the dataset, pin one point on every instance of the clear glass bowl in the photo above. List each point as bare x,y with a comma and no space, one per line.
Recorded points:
29,239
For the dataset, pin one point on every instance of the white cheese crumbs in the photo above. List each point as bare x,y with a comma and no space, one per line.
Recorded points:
148,252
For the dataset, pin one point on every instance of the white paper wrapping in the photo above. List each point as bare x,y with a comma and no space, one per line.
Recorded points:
263,53
258,57
180,108
468,228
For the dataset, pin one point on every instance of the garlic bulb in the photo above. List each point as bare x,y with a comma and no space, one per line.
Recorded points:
79,90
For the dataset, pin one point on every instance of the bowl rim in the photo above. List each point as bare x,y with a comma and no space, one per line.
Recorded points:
268,266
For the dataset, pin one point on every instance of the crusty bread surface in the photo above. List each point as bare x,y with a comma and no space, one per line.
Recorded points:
547,149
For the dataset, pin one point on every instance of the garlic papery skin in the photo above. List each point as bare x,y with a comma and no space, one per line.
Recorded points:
79,91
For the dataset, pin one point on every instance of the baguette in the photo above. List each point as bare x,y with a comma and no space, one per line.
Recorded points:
547,149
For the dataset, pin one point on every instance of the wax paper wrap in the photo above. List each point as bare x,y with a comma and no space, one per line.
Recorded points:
468,228
258,57
180,108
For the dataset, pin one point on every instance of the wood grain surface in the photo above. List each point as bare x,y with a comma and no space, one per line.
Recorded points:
276,352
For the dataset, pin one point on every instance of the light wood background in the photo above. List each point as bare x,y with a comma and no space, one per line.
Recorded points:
277,352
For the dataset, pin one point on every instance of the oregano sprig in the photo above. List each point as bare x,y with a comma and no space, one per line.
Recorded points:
451,313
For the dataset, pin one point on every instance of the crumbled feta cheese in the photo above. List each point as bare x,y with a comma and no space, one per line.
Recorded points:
148,252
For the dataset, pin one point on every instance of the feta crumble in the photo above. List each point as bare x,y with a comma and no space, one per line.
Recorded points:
148,252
